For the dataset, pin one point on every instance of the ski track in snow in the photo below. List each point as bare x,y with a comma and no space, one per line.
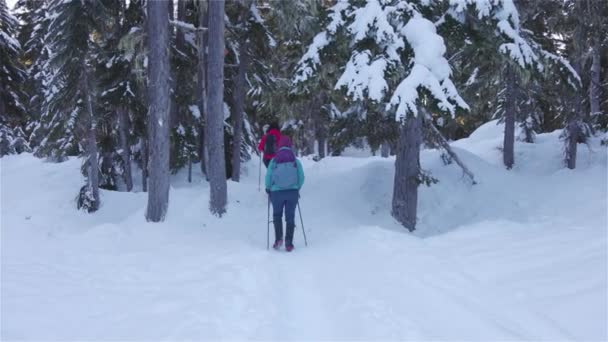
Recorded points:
521,256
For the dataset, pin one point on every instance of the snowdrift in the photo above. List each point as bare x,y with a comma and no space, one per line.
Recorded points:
521,255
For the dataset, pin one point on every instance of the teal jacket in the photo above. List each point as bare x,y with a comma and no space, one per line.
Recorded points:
276,188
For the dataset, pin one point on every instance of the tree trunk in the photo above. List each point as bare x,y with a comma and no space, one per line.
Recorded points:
202,87
144,163
239,104
3,113
510,108
159,97
179,46
125,149
322,142
93,163
571,142
595,86
407,171
528,130
575,120
189,169
385,149
574,127
215,106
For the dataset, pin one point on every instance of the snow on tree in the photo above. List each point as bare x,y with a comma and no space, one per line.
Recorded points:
13,112
250,44
122,99
398,57
36,55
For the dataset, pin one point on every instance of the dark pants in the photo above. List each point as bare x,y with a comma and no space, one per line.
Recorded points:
266,162
284,200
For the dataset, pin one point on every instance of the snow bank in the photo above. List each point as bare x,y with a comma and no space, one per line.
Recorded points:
520,256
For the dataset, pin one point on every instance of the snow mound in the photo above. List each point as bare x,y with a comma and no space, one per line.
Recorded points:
522,255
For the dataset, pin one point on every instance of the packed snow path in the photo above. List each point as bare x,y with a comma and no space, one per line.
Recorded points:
520,256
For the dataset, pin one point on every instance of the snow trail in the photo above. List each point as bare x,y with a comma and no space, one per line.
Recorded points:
513,258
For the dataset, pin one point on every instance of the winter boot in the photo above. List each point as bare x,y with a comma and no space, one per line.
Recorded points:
278,232
289,237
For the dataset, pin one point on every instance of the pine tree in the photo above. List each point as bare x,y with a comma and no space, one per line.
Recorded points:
70,122
122,97
36,56
13,112
184,114
250,45
397,58
31,16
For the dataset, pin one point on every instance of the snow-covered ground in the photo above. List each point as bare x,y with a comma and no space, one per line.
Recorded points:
522,255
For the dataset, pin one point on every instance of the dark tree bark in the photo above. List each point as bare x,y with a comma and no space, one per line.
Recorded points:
2,104
158,114
239,106
510,107
595,87
189,169
407,172
180,42
574,132
202,86
125,153
322,142
93,163
144,163
385,149
575,123
215,106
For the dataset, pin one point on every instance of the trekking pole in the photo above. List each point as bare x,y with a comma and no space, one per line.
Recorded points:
302,221
260,174
268,226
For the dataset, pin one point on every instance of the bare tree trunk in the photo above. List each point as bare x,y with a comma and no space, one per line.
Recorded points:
385,149
595,87
574,127
407,172
190,169
144,163
575,120
510,108
239,104
179,46
215,106
93,171
202,86
125,149
3,113
322,142
159,97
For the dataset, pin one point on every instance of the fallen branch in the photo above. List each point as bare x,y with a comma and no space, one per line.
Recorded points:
443,143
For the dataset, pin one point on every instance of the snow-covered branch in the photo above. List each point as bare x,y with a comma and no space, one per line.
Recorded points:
186,26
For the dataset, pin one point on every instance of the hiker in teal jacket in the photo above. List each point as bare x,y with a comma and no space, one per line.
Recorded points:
284,179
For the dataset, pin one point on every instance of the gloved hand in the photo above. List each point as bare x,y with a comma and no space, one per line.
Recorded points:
268,191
